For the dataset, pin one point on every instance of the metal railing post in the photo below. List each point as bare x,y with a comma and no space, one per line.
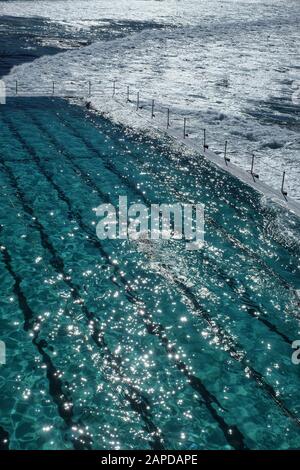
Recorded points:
255,175
184,128
205,146
225,154
282,185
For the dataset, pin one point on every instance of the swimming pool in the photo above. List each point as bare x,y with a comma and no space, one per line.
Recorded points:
110,346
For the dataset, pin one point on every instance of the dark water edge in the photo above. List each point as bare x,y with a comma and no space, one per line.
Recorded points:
18,45
24,39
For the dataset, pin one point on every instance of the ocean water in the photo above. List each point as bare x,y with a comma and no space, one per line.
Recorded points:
113,346
231,66
125,345
24,39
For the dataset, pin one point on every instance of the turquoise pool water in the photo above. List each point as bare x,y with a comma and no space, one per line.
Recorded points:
111,346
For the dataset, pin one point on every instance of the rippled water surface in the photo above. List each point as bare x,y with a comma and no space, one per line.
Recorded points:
111,345
231,66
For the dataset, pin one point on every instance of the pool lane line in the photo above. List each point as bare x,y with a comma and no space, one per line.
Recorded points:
255,207
191,162
225,338
139,405
184,159
90,182
257,376
231,239
251,305
57,264
209,399
58,396
97,126
231,433
4,439
231,346
233,349
235,242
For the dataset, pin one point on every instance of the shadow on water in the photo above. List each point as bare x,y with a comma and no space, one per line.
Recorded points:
26,39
